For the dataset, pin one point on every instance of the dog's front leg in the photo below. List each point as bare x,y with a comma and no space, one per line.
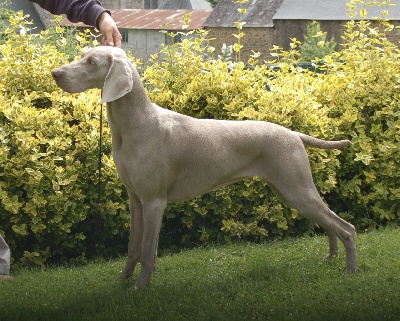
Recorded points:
135,236
152,215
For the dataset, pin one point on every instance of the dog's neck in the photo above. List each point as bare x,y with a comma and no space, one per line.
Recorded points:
133,110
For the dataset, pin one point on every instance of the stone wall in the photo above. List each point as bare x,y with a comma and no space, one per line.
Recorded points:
255,39
127,4
287,29
142,43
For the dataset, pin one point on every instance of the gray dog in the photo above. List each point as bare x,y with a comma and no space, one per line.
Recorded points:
162,156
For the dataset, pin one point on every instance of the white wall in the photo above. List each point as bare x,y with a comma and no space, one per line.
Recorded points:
143,43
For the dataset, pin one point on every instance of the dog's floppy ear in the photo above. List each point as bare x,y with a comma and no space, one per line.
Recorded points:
118,81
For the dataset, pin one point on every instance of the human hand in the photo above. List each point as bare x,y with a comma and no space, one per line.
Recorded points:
109,30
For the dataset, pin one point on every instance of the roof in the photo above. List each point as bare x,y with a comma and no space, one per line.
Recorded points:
185,4
27,8
155,19
259,13
328,10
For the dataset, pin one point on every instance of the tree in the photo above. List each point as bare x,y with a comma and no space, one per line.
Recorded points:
4,15
315,43
213,2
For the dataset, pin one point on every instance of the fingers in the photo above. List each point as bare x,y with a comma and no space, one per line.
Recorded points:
116,37
109,30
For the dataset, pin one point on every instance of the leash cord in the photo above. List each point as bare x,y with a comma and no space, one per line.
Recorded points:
99,160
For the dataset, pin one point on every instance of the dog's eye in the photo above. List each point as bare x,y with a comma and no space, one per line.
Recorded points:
91,61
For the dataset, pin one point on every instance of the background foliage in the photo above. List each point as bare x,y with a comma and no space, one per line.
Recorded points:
316,44
49,143
48,159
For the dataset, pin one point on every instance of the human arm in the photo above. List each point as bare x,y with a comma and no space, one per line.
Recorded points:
90,12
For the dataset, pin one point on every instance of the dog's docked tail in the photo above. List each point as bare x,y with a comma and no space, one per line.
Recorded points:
324,144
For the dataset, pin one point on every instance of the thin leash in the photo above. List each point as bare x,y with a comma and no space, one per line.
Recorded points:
99,160
99,208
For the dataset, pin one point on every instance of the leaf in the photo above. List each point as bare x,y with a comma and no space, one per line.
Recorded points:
12,204
21,230
38,228
237,47
363,13
365,158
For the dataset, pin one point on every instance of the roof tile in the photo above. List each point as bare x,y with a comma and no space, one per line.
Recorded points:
155,19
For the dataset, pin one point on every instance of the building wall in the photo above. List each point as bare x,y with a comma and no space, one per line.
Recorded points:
143,42
255,39
128,4
123,4
286,29
394,35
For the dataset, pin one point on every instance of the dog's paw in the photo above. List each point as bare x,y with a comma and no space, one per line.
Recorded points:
124,275
351,270
329,256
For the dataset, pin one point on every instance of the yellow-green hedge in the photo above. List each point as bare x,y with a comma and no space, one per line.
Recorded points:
49,145
355,97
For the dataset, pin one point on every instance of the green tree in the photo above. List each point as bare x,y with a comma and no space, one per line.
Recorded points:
4,15
213,2
315,43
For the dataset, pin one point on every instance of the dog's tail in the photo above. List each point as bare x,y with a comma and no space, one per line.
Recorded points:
324,144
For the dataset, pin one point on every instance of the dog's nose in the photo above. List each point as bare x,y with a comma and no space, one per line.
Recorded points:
57,73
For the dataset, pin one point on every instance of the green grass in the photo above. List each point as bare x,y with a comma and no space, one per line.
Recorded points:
273,281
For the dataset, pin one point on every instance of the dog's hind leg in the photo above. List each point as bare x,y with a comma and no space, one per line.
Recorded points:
135,236
333,246
314,208
152,215
306,200
347,234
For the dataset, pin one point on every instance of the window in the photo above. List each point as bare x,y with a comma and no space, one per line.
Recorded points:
150,4
124,34
171,39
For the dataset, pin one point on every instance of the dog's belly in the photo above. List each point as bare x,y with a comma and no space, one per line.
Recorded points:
188,191
192,181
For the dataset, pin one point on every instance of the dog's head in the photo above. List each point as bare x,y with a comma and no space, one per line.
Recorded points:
101,67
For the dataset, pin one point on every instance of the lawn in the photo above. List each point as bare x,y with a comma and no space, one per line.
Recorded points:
284,280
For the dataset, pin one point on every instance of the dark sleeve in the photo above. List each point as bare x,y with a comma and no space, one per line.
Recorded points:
86,11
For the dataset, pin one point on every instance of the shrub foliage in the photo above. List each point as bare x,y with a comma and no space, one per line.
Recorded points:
49,143
49,161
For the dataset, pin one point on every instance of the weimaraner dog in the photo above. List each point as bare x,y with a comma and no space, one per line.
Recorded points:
162,156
